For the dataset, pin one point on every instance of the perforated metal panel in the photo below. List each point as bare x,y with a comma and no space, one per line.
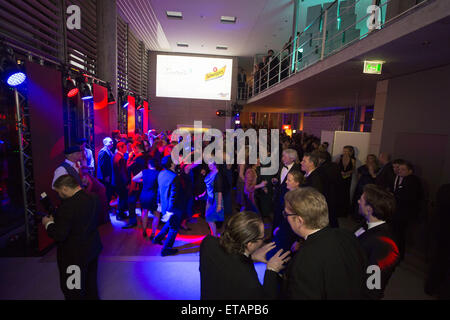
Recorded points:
82,44
33,25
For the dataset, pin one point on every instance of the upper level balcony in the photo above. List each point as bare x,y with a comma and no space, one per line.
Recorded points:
323,65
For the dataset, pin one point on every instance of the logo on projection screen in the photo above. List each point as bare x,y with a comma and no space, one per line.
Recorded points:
209,78
215,74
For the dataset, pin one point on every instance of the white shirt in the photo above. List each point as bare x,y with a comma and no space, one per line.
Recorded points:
62,171
400,180
285,171
308,173
370,225
89,158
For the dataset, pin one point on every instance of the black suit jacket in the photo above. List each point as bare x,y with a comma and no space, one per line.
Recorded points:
386,177
315,180
232,276
75,230
381,250
105,165
330,265
333,185
409,196
280,192
120,175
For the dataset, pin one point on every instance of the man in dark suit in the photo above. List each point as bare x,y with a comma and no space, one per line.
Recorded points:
377,205
385,176
409,197
74,228
289,160
120,179
333,185
274,67
135,164
172,205
330,263
313,178
105,167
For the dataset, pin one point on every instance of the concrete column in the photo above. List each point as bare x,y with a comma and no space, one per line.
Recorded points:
378,116
107,51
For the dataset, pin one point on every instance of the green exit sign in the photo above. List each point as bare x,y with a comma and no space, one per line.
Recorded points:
373,67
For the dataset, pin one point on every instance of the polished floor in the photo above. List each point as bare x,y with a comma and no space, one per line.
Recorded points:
131,268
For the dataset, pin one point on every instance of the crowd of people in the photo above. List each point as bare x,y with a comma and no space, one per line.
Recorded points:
299,203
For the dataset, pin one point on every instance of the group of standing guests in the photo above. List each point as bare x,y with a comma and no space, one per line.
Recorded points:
386,197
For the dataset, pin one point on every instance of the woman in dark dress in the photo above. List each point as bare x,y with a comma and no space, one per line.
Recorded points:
347,164
148,198
186,173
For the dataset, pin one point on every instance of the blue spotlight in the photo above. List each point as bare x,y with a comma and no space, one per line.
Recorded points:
125,105
16,79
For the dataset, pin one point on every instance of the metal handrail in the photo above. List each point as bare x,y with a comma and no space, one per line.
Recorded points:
263,79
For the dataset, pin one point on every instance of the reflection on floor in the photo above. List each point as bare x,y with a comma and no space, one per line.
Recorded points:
130,267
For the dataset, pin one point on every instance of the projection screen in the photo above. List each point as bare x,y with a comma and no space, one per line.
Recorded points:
193,77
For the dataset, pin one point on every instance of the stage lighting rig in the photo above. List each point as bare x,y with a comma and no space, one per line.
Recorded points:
11,72
111,98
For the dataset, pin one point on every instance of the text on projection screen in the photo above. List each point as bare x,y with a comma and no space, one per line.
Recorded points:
193,77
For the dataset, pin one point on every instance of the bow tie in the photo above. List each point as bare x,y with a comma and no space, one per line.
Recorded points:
365,226
286,167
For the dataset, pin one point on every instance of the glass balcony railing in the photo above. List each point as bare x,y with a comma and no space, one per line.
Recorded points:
338,26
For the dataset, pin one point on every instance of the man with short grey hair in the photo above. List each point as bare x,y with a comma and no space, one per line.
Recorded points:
105,166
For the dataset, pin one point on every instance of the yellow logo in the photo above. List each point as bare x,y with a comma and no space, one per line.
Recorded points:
216,74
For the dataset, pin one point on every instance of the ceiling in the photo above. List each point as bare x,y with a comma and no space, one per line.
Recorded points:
260,25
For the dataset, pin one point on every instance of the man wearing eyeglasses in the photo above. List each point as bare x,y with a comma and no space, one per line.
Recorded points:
330,263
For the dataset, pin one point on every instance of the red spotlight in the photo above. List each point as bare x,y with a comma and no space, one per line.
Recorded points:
72,93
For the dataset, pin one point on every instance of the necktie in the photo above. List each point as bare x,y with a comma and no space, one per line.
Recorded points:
397,182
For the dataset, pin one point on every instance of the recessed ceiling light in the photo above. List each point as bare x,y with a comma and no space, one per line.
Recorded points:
221,47
174,14
181,44
227,19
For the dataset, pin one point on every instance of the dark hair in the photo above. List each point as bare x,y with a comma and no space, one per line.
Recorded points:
398,161
66,181
352,150
241,229
381,201
138,145
408,165
313,157
121,145
324,155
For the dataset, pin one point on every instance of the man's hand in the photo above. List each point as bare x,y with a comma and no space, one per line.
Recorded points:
260,254
47,219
